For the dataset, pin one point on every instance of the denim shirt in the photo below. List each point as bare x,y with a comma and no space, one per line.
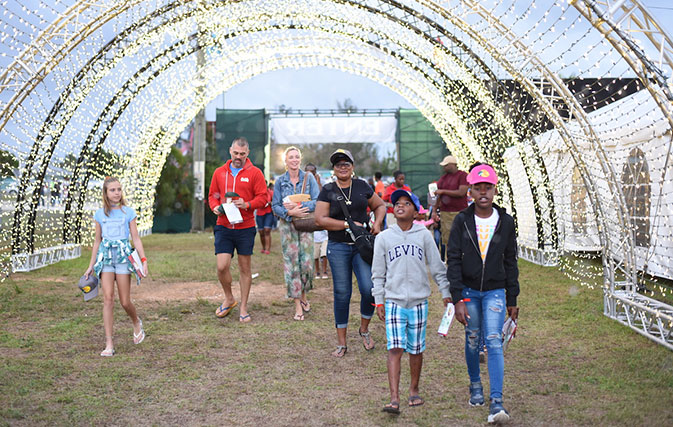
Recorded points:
283,187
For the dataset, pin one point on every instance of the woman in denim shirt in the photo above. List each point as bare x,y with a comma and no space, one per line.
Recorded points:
297,246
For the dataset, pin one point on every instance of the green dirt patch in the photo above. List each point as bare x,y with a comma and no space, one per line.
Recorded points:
569,365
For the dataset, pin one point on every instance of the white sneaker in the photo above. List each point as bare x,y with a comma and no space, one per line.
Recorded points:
497,413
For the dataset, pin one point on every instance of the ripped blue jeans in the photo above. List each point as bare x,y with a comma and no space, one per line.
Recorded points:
487,311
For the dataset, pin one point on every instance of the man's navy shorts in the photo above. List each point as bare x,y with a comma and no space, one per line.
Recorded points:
227,239
265,221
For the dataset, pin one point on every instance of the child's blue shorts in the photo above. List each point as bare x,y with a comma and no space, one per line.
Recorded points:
405,327
118,267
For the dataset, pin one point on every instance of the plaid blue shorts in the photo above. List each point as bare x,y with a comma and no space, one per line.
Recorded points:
405,327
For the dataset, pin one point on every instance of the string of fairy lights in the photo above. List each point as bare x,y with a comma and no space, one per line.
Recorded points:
483,94
604,193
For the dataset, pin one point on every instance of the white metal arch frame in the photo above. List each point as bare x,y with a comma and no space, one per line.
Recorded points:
35,64
69,232
647,316
618,21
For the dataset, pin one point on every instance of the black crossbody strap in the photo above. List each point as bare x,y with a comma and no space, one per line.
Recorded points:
340,199
347,215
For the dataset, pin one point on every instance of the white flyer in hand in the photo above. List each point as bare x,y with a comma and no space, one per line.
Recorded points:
232,213
432,187
134,259
508,332
446,319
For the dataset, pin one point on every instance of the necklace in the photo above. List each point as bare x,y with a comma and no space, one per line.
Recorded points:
350,188
293,178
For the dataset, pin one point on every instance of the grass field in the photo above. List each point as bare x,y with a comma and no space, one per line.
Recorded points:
569,365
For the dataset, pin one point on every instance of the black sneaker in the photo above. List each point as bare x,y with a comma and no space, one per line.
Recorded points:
497,413
476,394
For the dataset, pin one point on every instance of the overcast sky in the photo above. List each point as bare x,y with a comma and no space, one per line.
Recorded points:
307,88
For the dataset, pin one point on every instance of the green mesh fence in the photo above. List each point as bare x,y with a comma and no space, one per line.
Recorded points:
420,151
420,146
229,125
251,124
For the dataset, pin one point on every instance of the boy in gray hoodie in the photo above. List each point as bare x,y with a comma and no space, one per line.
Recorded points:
400,277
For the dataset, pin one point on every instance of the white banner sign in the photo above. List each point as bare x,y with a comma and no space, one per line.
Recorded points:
306,130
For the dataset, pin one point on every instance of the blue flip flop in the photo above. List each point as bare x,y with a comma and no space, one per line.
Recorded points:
244,319
224,311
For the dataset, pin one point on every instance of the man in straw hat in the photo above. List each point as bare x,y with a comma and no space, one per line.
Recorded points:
451,195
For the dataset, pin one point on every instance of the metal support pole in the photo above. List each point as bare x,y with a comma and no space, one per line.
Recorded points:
199,157
267,148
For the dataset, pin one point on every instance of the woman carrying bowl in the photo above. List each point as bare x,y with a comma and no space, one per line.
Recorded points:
297,246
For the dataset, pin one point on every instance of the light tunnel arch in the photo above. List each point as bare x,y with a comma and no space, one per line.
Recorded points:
187,113
475,156
407,10
479,157
484,46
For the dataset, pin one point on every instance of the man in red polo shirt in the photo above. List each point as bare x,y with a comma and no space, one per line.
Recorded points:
239,182
451,195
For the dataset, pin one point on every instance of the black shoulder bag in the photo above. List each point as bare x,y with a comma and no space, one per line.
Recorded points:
363,239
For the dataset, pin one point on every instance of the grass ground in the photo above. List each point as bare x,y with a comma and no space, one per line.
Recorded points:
569,365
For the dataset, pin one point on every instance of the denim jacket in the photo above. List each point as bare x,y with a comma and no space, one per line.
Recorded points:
283,187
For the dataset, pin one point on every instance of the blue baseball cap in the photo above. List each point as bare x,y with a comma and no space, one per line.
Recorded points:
399,193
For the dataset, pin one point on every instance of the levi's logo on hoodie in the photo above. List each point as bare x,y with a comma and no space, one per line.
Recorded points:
405,250
245,179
